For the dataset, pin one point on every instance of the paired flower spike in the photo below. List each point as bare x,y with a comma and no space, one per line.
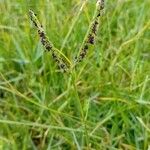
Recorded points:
61,60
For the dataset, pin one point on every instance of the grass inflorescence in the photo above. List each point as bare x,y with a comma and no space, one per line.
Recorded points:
47,44
89,38
92,32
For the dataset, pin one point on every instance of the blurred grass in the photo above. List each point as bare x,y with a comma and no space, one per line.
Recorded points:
104,105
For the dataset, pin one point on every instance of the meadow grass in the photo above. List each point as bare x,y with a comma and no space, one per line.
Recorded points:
103,104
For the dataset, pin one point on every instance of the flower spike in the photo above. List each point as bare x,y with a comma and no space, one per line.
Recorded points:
48,45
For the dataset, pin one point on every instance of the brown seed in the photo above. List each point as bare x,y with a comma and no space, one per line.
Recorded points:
91,39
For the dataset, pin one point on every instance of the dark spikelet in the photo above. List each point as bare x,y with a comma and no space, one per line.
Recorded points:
95,26
102,4
92,32
91,39
85,47
47,44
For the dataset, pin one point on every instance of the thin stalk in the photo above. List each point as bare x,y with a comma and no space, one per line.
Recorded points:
72,26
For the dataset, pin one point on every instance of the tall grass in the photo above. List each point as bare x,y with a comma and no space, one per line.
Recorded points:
102,104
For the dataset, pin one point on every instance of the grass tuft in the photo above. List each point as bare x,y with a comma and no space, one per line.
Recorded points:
101,104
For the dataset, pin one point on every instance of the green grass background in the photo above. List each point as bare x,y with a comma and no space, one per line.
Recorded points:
103,105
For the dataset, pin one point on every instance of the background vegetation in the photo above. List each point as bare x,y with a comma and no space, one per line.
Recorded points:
103,105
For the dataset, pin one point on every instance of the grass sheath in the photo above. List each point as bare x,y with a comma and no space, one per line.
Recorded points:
92,32
48,45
